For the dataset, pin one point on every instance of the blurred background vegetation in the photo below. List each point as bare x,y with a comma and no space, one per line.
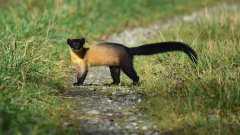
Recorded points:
34,55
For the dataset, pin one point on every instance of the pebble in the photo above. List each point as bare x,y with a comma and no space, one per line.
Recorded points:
109,100
139,100
134,124
93,112
144,128
109,114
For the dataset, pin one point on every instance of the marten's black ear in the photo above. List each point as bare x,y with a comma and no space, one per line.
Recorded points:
82,40
69,41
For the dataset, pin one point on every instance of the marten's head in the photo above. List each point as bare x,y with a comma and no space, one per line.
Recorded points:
76,44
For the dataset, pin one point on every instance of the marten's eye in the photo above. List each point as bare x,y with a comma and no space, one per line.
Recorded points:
75,44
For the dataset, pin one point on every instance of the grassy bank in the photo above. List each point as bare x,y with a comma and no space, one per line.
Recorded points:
34,56
185,99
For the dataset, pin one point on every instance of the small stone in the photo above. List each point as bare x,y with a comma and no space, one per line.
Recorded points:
93,112
134,124
156,133
139,100
144,128
148,133
111,128
129,127
93,122
65,124
132,118
104,88
109,114
109,100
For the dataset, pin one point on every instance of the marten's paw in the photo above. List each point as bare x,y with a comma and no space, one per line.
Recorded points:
77,84
115,83
137,83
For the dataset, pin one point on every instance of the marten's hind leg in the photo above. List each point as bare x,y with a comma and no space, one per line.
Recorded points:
129,70
115,73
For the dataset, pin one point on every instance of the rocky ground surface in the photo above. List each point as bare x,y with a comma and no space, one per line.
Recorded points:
103,110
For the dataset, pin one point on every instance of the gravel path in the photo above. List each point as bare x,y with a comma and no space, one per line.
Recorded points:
104,110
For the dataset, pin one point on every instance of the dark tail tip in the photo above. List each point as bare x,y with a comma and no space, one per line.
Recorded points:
192,55
194,59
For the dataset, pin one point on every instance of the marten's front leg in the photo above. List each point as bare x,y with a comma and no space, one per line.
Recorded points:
80,78
81,74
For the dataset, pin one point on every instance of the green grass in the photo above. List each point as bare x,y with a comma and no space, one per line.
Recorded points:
29,88
33,64
205,99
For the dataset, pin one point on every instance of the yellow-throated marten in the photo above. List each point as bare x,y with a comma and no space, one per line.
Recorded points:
118,57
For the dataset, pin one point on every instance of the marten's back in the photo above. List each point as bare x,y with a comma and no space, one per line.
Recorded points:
106,54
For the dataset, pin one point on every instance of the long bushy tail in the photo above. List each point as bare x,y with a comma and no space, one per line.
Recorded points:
149,49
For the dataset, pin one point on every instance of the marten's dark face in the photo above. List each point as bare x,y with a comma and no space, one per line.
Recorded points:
76,44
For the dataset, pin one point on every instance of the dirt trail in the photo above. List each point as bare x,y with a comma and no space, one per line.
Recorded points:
104,110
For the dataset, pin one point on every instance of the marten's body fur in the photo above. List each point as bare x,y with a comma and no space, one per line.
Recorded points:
117,57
